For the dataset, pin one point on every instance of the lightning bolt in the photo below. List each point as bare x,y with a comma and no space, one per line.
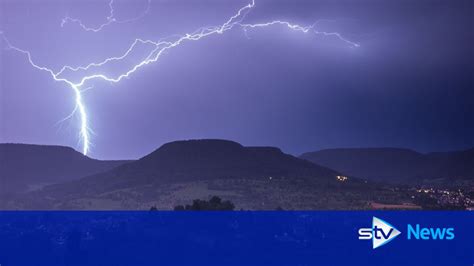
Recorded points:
111,19
296,27
159,48
80,107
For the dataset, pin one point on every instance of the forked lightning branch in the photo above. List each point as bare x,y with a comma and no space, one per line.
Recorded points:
159,47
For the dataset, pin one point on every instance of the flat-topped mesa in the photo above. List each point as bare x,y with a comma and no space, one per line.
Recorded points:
213,158
197,160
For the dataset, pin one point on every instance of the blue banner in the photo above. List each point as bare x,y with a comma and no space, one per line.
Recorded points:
237,238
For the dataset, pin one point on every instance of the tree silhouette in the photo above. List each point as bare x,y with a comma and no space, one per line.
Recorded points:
214,204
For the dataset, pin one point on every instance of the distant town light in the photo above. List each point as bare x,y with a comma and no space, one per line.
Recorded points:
341,178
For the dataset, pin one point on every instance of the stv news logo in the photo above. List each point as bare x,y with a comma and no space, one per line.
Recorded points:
382,232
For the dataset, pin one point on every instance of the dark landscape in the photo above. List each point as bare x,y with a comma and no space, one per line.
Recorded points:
36,177
394,165
27,167
355,106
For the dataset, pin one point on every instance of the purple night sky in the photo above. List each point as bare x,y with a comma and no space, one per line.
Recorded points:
409,84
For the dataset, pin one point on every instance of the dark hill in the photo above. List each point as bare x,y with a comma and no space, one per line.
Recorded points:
203,159
396,165
453,165
24,166
194,160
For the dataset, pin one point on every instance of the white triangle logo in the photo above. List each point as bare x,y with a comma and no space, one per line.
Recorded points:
383,232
